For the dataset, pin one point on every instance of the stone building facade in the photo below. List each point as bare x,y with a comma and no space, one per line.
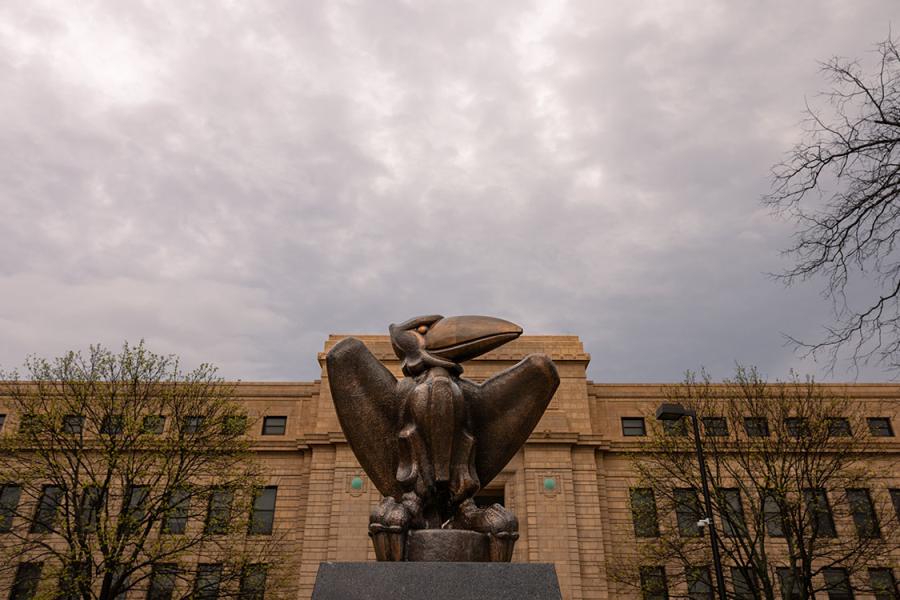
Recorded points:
569,485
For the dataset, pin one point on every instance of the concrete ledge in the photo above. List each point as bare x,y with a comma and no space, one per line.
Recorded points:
435,581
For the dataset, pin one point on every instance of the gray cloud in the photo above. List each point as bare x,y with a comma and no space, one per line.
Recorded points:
234,182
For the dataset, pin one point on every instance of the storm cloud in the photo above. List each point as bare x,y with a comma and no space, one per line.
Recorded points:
234,181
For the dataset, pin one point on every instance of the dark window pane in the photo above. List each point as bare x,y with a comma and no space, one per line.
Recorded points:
112,425
863,513
9,504
263,510
895,499
839,427
177,512
162,582
772,515
676,428
837,584
154,424
91,500
134,507
72,424
119,583
796,427
743,582
73,577
45,512
699,583
687,511
880,426
790,585
192,424
209,577
653,583
219,513
234,425
819,512
274,425
633,426
732,512
884,586
715,426
756,426
26,581
643,512
253,582
2,421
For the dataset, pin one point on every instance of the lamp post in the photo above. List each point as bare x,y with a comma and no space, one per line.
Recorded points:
674,412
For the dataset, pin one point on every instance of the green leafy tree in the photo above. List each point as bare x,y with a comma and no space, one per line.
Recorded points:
126,473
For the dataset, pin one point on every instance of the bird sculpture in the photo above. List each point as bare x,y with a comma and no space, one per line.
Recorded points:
431,440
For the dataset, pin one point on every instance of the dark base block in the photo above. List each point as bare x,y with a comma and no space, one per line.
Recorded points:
436,581
446,545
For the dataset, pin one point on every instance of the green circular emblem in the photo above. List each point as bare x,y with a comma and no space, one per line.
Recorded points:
356,483
549,483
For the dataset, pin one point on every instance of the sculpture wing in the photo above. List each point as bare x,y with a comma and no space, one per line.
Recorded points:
364,395
506,408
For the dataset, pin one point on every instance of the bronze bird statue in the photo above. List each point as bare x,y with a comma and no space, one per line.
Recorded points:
432,439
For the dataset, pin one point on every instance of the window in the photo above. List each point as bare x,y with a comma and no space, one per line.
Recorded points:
45,512
895,499
219,513
177,512
2,421
154,424
756,426
263,510
797,427
112,424
790,585
192,424
209,577
9,503
839,427
743,582
72,424
633,426
677,427
884,586
162,581
819,512
687,511
253,582
70,576
699,583
134,507
772,515
274,425
880,426
715,426
837,584
643,513
732,512
25,584
863,513
119,583
91,500
234,425
653,583
29,423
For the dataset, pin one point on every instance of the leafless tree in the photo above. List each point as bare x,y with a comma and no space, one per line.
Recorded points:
790,474
841,186
126,473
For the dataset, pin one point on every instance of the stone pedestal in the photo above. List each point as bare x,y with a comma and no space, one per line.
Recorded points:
436,581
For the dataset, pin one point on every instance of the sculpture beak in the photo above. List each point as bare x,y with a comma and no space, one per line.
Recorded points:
462,338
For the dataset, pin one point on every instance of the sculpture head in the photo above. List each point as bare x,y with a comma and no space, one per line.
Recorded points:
434,341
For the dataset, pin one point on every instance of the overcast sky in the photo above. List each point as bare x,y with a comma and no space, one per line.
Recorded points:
233,181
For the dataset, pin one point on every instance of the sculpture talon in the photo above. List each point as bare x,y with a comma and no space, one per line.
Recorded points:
433,439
